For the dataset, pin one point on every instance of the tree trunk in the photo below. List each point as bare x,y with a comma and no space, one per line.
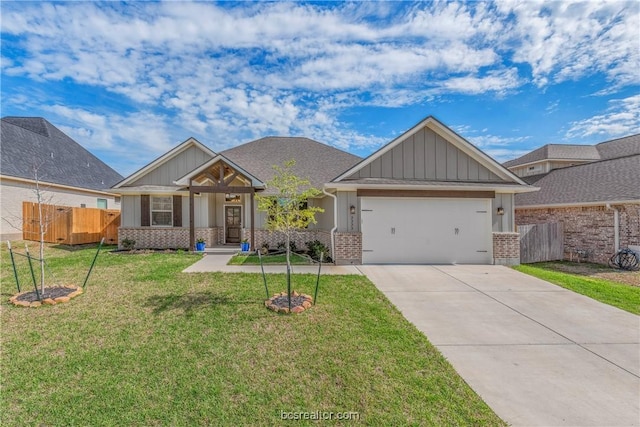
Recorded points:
288,269
42,232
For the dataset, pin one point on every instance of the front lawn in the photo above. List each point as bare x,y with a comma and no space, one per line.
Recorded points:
267,259
610,292
148,345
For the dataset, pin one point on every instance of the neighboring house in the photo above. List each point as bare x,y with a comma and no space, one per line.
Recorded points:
597,198
69,174
428,196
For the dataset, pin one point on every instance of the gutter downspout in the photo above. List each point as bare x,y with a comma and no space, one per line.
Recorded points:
335,222
616,227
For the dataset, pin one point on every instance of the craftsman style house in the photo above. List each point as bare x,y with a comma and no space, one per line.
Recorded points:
428,196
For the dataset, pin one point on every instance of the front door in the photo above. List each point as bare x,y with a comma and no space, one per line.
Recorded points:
233,223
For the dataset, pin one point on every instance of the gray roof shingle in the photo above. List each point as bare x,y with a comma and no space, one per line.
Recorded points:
601,181
318,162
557,151
27,142
621,147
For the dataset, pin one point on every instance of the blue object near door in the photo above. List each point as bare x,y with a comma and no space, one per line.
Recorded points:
244,246
200,247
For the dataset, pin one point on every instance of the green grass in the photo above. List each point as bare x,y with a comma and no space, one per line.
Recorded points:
609,292
148,345
268,259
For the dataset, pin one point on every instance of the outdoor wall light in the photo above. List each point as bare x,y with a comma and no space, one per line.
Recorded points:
352,210
500,210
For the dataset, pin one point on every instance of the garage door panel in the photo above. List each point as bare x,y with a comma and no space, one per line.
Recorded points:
435,231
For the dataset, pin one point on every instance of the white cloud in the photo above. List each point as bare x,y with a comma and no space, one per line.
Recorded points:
564,40
621,118
231,72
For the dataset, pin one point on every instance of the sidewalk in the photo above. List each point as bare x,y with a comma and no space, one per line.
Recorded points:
217,262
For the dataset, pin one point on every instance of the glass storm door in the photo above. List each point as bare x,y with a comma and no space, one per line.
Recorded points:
233,221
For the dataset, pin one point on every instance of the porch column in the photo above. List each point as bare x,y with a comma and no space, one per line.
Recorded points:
253,220
192,230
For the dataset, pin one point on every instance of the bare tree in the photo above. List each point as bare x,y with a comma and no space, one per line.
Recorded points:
45,216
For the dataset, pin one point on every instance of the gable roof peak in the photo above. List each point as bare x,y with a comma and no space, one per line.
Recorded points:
31,141
191,141
37,125
450,136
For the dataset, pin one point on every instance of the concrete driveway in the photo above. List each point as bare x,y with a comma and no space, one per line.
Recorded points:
538,354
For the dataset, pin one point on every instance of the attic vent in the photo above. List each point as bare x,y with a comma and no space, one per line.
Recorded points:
87,164
52,155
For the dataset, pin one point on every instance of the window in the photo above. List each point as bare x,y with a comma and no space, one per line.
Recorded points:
161,211
231,197
102,203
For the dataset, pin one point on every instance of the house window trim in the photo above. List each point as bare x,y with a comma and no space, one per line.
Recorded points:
151,210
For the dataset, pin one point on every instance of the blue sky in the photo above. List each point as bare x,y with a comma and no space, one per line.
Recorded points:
130,81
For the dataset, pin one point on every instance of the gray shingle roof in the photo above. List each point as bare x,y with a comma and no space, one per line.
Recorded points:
30,141
602,181
318,162
557,151
621,147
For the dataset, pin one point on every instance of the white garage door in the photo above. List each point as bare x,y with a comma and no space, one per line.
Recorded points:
426,231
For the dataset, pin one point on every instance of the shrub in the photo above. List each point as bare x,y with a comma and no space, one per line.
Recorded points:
128,244
316,247
283,246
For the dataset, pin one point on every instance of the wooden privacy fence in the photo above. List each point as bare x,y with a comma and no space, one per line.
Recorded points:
70,226
541,242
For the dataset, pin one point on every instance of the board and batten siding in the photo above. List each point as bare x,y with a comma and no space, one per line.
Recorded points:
132,214
347,221
174,168
428,156
502,223
324,219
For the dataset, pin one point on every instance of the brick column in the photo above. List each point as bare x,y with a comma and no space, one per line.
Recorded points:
348,248
506,248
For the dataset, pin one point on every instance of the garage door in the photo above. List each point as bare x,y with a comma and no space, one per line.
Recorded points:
426,231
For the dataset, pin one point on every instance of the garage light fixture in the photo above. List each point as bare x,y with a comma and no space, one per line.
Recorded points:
352,210
500,210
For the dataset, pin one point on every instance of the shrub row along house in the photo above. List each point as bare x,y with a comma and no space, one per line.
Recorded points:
68,174
593,190
428,196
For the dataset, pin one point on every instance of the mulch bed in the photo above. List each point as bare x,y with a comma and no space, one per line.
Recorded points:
280,302
52,295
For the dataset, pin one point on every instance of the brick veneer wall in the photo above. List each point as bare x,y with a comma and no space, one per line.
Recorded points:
348,248
589,228
629,225
301,238
506,248
163,238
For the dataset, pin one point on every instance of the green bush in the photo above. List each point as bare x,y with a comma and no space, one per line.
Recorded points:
128,244
316,247
283,246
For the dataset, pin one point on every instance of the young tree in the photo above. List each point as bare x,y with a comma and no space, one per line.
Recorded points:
288,211
45,216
